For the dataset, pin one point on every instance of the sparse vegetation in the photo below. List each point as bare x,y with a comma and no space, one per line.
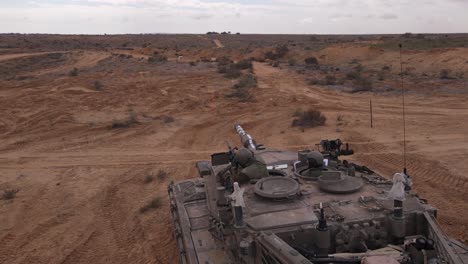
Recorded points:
154,203
381,75
224,60
314,81
98,86
444,74
242,89
298,112
230,73
247,81
233,70
292,62
353,75
243,64
167,119
148,178
74,72
157,58
362,85
330,80
162,175
386,68
279,52
311,61
131,119
9,194
359,68
310,118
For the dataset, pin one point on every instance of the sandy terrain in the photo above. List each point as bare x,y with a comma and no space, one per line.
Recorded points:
81,183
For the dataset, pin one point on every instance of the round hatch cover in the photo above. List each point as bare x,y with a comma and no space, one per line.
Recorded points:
336,182
276,187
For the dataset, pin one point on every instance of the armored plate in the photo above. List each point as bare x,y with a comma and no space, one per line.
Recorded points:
336,182
276,187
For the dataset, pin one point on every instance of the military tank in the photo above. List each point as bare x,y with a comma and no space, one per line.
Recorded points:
258,205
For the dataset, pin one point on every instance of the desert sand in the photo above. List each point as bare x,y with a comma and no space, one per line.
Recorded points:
81,183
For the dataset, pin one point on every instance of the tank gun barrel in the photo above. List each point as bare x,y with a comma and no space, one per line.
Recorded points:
246,140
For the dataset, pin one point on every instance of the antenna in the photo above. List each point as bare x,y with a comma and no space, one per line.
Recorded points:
403,104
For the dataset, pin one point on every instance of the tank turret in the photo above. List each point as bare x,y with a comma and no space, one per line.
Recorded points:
253,204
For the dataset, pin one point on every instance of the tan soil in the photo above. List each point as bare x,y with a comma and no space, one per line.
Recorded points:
81,183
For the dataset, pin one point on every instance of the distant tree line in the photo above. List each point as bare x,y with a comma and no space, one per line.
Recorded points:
222,33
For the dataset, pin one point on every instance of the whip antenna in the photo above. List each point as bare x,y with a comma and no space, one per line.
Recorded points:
403,106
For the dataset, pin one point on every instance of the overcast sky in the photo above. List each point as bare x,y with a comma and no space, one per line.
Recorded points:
245,16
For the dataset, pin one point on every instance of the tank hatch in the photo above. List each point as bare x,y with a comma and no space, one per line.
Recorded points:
276,187
337,182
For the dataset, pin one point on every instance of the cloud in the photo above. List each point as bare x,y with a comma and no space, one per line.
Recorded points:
388,16
245,16
202,16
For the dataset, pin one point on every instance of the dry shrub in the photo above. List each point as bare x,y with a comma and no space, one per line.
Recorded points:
232,73
74,72
243,64
247,81
310,118
311,61
362,85
132,119
167,119
444,74
223,61
98,86
9,194
242,89
298,112
162,175
148,178
353,75
330,80
154,203
157,58
279,52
